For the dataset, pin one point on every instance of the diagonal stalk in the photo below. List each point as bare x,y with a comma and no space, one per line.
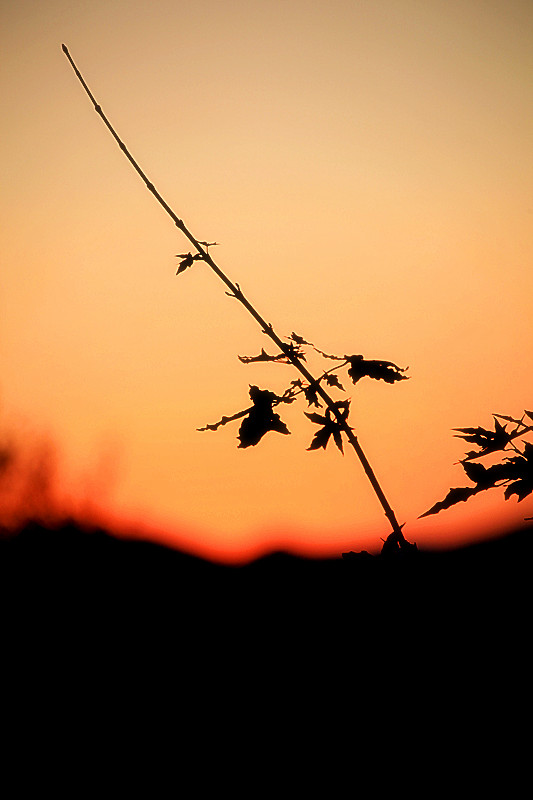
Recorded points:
397,535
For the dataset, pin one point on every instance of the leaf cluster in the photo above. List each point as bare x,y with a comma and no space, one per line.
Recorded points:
514,472
260,418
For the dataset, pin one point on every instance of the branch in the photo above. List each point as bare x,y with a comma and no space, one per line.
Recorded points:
266,327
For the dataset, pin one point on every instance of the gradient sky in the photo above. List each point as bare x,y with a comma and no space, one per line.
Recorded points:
367,167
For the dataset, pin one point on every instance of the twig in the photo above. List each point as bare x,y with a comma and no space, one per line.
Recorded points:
234,289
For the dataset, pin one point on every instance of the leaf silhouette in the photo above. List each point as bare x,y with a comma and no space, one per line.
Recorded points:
522,469
332,380
187,260
516,473
329,427
263,356
488,441
509,419
379,370
487,477
282,358
311,396
261,418
298,339
454,496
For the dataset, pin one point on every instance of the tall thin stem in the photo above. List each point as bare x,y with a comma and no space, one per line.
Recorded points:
267,328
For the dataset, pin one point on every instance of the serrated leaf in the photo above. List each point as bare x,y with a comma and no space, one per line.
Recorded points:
457,495
332,380
488,441
330,427
321,438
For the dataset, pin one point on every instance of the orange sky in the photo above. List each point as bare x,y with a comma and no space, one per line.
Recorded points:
367,168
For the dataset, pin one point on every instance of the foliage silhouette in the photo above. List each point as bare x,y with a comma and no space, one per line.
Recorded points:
515,473
330,427
260,418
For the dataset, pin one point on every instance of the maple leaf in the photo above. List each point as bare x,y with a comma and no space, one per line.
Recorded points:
261,418
488,441
329,427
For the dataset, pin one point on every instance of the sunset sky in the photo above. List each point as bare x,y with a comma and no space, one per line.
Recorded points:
367,168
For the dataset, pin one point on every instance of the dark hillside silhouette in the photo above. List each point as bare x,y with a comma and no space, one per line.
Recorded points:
69,573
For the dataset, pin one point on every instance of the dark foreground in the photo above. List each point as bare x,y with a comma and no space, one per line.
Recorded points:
408,662
72,577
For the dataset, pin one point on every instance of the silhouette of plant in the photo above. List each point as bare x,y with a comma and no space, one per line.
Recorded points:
514,472
260,418
334,423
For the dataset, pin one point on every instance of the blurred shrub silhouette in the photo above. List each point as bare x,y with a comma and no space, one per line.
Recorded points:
28,482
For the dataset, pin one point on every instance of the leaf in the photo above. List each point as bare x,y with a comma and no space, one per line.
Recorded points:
488,441
298,339
311,396
454,496
521,488
487,477
337,438
187,261
509,419
321,438
318,419
522,469
282,358
261,418
330,427
378,370
332,380
263,356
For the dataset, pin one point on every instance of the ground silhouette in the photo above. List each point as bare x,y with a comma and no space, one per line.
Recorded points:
68,573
